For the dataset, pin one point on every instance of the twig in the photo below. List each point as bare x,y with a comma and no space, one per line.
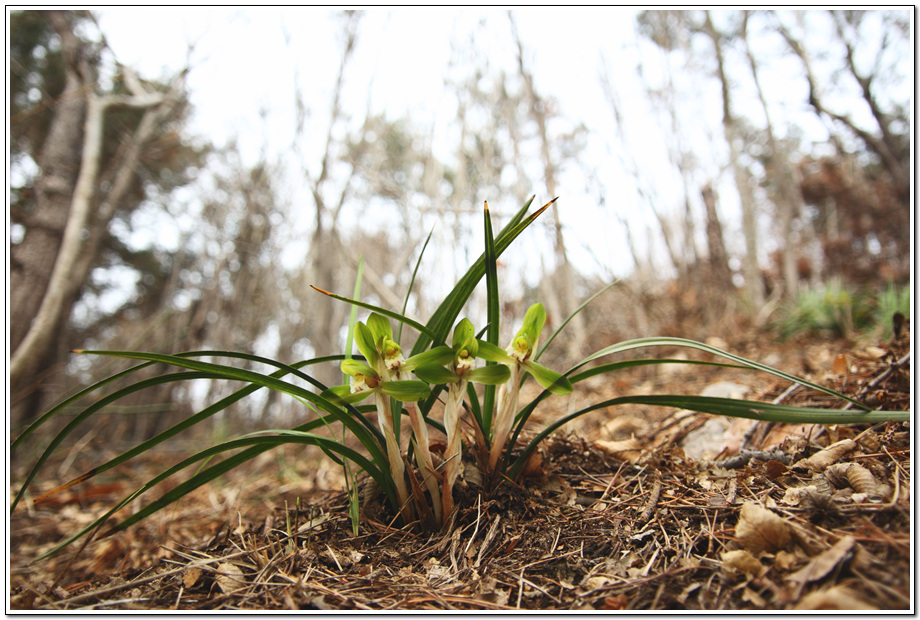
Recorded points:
646,513
875,382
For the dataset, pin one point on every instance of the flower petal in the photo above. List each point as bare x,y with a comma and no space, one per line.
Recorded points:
435,374
549,379
490,375
343,394
407,391
364,339
493,353
437,356
356,367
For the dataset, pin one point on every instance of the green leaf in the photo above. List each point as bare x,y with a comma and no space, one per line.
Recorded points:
660,341
406,391
443,319
583,305
490,375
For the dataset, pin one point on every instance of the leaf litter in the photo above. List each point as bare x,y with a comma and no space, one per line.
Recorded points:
616,518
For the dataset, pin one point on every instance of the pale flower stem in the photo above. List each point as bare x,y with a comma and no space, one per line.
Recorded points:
423,456
453,452
397,469
507,405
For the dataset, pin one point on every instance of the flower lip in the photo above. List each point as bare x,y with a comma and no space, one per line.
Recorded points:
362,383
520,349
392,355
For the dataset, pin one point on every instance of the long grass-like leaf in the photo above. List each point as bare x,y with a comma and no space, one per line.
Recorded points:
493,314
359,428
418,264
388,313
444,318
750,409
257,445
72,399
78,419
581,307
660,341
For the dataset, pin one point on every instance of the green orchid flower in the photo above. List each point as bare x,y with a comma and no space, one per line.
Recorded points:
518,357
381,376
461,370
385,374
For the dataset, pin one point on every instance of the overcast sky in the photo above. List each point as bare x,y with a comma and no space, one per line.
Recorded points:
246,61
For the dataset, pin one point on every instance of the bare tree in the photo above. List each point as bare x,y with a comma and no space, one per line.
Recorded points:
560,297
789,199
88,208
752,281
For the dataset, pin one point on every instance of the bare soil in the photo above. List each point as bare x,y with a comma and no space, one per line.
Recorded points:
633,509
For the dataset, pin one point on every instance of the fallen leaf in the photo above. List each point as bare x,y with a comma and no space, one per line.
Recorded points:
840,364
229,577
627,449
819,461
824,563
838,597
613,603
742,560
191,576
759,530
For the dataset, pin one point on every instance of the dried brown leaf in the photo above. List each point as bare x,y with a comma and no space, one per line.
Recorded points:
229,577
627,449
820,460
821,565
838,597
742,560
191,576
760,530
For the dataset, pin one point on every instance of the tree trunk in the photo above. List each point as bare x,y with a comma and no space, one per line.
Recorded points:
561,299
719,272
32,260
789,199
86,223
753,283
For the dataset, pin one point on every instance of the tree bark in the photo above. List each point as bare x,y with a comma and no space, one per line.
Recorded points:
84,228
32,260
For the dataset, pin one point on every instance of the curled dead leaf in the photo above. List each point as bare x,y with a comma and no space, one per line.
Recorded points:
819,461
853,475
760,530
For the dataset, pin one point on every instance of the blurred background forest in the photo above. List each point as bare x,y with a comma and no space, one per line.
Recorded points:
765,185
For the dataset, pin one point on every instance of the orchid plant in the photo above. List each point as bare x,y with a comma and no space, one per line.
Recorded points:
443,373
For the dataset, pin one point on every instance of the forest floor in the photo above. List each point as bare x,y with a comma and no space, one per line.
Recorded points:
632,509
